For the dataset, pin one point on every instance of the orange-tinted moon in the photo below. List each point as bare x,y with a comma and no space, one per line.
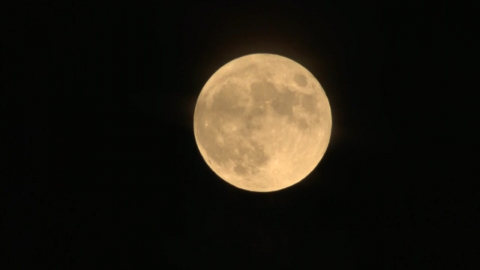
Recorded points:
262,122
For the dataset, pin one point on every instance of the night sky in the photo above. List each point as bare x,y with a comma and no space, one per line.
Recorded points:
102,168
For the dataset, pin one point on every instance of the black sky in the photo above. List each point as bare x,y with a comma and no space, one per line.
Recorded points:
102,166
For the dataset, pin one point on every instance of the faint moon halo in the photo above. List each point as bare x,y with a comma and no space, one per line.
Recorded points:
262,122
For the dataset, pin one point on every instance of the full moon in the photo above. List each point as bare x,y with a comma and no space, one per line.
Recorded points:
262,122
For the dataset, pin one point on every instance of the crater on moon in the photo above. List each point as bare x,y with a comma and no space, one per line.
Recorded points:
300,80
258,124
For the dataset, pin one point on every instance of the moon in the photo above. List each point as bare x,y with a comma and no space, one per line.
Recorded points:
262,122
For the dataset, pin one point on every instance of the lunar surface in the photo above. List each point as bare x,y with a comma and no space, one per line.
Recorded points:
262,122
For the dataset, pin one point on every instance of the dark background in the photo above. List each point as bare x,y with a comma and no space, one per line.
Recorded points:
102,169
